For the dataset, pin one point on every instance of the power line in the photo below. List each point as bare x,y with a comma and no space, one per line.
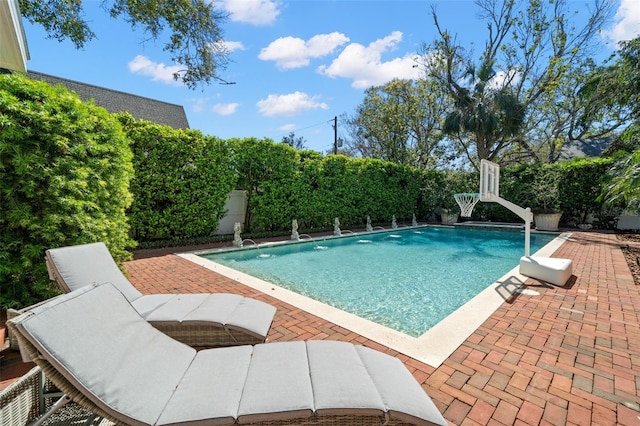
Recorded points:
312,125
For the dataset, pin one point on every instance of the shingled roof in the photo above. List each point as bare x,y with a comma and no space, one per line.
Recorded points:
115,101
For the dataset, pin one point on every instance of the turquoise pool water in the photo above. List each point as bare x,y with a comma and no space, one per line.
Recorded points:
408,280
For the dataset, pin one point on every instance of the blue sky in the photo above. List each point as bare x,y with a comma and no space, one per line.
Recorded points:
297,64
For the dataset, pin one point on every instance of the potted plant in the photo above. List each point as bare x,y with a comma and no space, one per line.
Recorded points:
546,199
448,216
449,209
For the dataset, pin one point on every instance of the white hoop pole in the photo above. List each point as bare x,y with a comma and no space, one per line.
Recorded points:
527,232
525,214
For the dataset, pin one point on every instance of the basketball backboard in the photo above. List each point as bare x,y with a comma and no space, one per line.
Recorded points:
489,181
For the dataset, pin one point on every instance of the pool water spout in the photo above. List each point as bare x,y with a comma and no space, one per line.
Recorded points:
317,247
260,254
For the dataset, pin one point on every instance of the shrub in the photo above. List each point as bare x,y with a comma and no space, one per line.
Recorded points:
266,170
181,182
581,183
65,168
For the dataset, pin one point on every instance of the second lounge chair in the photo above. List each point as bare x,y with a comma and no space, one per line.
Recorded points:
199,320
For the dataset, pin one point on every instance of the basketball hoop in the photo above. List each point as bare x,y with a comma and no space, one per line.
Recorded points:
467,202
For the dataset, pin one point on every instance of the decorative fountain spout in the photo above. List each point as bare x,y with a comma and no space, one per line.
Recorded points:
394,225
237,239
336,227
294,230
369,227
414,222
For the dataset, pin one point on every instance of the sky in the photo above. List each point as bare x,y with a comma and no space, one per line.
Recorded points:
296,64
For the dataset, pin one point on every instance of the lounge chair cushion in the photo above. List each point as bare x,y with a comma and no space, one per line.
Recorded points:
341,381
211,388
140,376
76,266
81,265
118,360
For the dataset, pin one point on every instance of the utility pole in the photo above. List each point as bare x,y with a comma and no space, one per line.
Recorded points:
335,135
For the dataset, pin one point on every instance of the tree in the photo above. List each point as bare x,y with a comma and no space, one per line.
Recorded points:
399,122
491,115
195,41
612,93
532,52
292,141
624,186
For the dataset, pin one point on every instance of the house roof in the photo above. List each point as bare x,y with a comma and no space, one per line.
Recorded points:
585,147
116,101
14,51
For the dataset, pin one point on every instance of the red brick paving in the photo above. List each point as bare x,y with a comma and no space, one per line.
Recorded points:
568,356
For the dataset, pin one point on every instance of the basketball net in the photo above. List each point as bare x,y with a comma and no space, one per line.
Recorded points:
467,202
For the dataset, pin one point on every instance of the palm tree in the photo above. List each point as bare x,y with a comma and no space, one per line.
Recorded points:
624,187
488,111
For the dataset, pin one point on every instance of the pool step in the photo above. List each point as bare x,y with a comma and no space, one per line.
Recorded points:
493,226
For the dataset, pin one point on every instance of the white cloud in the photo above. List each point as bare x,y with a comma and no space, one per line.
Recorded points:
157,71
627,20
364,64
504,78
293,52
254,12
225,109
289,105
287,127
198,104
231,46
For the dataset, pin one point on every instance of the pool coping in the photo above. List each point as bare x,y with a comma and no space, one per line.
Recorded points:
434,346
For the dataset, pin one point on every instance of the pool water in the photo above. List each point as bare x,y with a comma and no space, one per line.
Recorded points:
408,280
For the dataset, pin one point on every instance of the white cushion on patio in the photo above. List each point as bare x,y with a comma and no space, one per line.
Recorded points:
249,315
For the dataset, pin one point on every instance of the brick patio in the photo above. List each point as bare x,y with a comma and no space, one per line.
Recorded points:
568,356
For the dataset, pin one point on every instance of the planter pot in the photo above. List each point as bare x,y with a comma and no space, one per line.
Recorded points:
547,221
449,218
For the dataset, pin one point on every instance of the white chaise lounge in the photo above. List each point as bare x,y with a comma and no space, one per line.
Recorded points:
206,320
97,349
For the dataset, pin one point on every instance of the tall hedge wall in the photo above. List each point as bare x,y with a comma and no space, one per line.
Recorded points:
65,167
285,184
182,179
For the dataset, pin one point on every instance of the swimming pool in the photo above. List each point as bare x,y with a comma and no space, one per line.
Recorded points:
408,280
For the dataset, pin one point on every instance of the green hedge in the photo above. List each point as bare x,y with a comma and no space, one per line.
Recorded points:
577,188
284,184
181,182
315,190
266,170
65,168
